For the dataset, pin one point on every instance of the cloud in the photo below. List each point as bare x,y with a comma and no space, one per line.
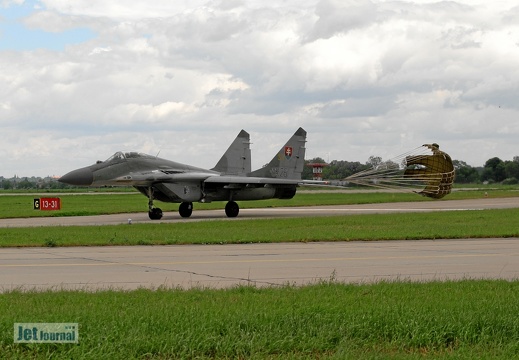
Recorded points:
363,77
340,17
130,9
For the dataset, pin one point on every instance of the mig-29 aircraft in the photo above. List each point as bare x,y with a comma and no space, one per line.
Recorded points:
230,180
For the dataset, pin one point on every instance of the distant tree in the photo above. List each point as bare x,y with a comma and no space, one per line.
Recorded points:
53,184
25,184
512,169
494,170
338,170
374,161
493,162
7,184
500,172
465,173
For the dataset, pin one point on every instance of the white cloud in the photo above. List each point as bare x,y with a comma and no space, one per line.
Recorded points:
363,77
53,22
129,9
7,3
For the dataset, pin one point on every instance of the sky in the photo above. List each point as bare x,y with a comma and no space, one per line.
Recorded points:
80,80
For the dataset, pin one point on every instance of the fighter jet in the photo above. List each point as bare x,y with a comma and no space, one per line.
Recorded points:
230,180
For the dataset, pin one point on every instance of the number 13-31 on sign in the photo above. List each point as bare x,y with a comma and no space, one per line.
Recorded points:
47,204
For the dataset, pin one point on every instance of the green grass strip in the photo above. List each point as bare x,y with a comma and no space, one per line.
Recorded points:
447,320
431,225
21,206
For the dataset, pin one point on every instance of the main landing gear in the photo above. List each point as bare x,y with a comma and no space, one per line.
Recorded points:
232,209
185,209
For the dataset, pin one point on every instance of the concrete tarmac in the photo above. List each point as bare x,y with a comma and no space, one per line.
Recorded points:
219,266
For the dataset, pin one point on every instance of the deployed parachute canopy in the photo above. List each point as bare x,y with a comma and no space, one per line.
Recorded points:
425,170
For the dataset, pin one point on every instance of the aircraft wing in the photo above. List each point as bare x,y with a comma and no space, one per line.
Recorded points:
161,176
244,180
158,176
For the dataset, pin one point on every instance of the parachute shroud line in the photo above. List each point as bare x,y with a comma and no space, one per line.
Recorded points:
425,170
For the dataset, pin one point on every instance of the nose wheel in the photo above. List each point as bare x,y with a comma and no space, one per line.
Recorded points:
153,212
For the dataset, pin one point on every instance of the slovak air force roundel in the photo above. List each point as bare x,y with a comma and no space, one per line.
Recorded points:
288,152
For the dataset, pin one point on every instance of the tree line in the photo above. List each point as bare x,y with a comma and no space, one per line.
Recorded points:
31,183
495,170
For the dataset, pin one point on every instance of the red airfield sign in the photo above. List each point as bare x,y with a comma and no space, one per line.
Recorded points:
47,204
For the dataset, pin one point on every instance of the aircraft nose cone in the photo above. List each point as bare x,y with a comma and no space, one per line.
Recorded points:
79,177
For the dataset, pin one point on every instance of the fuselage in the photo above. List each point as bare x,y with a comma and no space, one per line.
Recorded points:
170,181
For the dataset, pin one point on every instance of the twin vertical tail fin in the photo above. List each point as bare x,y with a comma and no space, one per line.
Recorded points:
289,162
237,159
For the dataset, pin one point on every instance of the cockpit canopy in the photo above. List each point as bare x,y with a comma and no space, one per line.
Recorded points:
120,155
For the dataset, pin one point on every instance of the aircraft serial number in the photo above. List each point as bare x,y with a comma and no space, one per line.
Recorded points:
279,172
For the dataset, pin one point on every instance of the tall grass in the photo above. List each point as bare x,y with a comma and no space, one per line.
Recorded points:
434,225
465,319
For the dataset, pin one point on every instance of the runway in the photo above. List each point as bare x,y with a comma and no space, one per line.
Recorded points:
313,211
221,266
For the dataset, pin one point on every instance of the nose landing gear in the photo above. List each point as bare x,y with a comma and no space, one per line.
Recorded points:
153,212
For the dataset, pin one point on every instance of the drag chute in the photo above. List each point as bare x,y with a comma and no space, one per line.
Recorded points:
425,170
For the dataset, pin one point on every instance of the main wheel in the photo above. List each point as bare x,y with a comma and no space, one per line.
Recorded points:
155,214
232,209
185,209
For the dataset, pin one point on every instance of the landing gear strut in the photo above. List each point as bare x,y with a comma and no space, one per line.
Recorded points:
153,212
232,209
185,209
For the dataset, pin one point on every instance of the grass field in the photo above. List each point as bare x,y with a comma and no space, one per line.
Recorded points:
450,320
434,225
467,319
14,205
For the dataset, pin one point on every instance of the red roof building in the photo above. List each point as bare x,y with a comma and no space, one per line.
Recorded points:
317,170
